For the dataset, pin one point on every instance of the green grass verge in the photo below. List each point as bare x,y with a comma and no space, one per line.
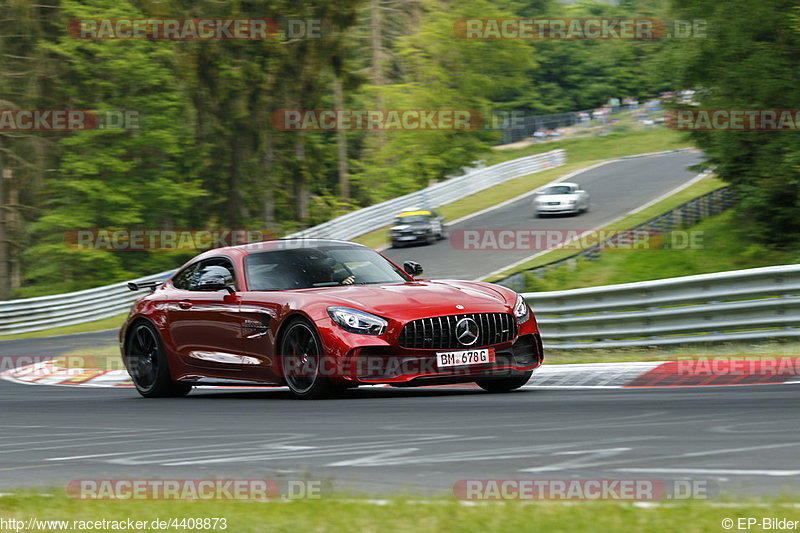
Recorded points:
630,140
407,514
700,188
724,247
95,325
778,349
581,153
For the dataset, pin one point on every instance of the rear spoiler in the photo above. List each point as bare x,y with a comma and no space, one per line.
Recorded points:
134,286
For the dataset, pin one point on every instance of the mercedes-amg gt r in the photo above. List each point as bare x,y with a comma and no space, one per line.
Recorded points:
319,316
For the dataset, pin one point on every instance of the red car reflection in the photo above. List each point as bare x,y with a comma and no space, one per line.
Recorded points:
320,316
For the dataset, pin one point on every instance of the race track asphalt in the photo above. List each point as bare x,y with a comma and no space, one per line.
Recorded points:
738,440
615,189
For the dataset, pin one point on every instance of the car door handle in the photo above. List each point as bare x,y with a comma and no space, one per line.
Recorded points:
185,305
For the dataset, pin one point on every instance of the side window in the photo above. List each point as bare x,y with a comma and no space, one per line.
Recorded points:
184,278
221,265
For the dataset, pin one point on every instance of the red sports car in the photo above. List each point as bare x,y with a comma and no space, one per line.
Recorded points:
320,316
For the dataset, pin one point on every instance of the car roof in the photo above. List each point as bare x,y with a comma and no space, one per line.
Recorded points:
275,244
294,243
417,212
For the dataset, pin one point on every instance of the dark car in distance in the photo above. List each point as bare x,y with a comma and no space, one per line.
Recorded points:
417,226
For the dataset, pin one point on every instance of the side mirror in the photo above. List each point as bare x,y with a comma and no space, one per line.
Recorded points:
213,282
413,268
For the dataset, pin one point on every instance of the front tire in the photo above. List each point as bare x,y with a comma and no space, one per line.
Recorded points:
301,358
498,385
146,361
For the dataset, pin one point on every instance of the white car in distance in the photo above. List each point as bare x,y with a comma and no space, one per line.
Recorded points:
561,198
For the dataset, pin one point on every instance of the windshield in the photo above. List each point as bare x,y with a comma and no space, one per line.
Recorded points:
411,219
558,189
306,268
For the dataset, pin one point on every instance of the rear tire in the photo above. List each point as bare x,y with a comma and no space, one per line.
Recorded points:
498,385
301,357
146,361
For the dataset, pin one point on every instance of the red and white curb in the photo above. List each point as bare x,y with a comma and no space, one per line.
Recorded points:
683,373
50,373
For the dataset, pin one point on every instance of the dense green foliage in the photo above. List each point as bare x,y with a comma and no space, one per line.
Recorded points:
751,61
723,245
207,154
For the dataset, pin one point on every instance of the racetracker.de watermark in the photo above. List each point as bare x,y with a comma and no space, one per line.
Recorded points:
194,489
62,120
72,365
567,29
195,29
771,366
574,239
133,240
380,368
734,119
377,119
584,489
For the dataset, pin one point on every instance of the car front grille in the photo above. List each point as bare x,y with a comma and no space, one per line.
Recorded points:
439,332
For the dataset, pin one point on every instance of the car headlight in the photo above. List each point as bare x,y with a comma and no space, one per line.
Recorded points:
356,321
521,310
572,202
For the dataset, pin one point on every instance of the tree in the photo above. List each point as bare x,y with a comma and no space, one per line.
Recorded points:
750,61
141,175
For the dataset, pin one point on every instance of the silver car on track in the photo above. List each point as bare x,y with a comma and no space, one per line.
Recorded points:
561,198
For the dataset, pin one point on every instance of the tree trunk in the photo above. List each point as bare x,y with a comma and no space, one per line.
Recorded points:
301,186
5,282
377,59
341,143
268,202
13,227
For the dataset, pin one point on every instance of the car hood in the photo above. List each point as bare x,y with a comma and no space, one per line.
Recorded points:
401,227
408,301
556,197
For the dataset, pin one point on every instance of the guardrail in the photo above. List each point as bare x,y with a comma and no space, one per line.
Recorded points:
57,310
758,303
45,312
474,181
687,214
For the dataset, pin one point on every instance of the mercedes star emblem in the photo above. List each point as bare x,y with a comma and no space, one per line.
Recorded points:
467,331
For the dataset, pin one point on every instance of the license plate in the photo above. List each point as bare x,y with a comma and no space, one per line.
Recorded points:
467,357
407,238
